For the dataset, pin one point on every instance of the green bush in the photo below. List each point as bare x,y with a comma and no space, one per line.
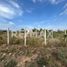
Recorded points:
11,63
41,62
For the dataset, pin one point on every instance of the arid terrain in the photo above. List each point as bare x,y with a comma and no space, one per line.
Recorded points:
54,55
34,54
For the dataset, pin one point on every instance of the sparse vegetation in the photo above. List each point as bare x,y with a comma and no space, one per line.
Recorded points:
11,63
35,54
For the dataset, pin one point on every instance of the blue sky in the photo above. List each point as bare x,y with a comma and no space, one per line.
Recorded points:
49,14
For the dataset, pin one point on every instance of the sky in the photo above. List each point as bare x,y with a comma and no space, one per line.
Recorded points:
48,14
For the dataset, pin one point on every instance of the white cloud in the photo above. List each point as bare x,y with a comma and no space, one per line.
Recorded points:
10,10
50,1
11,23
65,6
55,1
6,12
6,25
64,12
30,10
40,1
14,4
34,1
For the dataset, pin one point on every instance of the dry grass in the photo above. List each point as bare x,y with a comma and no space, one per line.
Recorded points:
35,54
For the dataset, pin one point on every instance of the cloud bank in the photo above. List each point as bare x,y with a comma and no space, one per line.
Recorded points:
10,9
50,1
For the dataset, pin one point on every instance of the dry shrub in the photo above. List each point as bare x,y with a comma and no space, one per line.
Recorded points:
34,42
15,40
56,43
2,40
